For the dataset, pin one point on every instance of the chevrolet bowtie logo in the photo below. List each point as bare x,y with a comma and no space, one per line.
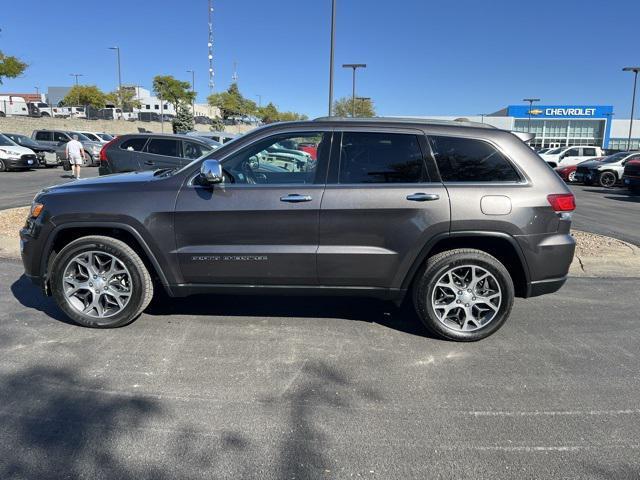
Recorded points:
535,111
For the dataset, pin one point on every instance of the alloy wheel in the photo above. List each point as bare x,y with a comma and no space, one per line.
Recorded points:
607,179
97,284
466,298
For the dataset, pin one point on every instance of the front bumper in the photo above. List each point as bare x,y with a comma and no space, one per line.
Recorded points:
12,163
628,181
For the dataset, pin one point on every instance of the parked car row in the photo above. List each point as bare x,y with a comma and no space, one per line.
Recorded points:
622,168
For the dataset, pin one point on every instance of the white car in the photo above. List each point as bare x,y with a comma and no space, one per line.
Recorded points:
607,172
565,156
14,156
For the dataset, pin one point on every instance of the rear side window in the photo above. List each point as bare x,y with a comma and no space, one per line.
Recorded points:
470,160
193,150
133,144
589,152
44,136
163,146
381,158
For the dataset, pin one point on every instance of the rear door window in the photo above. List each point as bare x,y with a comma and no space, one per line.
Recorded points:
60,137
193,150
133,144
163,146
589,152
44,136
367,157
470,160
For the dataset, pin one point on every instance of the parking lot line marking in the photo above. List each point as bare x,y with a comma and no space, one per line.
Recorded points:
552,413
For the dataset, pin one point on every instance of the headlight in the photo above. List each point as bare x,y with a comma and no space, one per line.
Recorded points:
96,149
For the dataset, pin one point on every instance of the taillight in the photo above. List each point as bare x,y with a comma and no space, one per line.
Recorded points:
562,202
103,150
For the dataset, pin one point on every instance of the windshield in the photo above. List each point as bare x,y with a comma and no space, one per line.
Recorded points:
25,141
91,136
210,142
81,137
554,151
6,142
616,157
105,136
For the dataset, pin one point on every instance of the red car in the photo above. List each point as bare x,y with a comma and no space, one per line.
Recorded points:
568,173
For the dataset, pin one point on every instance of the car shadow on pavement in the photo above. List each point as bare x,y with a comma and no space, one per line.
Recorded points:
30,296
57,423
403,318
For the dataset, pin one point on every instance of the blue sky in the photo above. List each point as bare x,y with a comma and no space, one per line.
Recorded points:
424,57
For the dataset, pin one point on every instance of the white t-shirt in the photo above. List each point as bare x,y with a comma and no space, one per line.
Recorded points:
74,149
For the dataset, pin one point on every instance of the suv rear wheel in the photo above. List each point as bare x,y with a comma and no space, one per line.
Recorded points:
463,294
100,282
607,179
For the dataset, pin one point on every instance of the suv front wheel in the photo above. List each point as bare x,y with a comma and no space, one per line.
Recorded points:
100,282
463,294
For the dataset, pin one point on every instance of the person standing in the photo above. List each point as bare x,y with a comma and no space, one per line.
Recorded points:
75,154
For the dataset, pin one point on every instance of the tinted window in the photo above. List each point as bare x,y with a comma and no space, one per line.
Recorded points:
45,136
381,158
590,152
269,162
572,152
163,146
60,137
133,144
193,150
469,160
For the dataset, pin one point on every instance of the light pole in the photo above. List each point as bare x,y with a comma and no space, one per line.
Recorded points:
333,28
76,75
635,70
117,49
354,67
530,100
482,116
193,86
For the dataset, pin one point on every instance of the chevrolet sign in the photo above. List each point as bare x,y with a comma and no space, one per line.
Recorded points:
560,111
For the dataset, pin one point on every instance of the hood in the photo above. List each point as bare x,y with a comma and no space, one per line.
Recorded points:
92,144
105,181
18,149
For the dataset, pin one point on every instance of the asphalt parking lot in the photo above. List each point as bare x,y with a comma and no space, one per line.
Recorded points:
277,387
17,188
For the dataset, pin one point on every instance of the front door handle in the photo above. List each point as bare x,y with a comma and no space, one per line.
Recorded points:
423,197
149,162
295,198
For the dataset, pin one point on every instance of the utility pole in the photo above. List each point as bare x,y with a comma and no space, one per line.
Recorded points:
333,36
530,100
193,90
75,75
635,70
117,49
354,67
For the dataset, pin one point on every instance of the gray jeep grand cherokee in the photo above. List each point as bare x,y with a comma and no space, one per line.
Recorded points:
458,217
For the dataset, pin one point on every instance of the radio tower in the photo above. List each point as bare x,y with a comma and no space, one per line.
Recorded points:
210,46
234,77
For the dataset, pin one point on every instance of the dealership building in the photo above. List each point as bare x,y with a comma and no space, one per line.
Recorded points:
563,125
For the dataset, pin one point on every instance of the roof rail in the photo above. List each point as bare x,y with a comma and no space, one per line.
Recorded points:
426,121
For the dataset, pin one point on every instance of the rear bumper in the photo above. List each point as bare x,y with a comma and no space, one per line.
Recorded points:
629,181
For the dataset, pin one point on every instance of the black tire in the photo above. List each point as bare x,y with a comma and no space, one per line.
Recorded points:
3,167
435,267
141,283
607,179
88,160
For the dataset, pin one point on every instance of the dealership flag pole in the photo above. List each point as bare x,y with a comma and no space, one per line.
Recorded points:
530,100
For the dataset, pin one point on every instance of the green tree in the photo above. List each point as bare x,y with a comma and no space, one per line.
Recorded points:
232,104
344,107
184,119
124,97
173,90
85,95
291,116
10,67
268,114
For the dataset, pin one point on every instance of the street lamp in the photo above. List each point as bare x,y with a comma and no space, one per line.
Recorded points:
117,49
530,100
354,67
193,86
76,75
333,28
635,70
482,115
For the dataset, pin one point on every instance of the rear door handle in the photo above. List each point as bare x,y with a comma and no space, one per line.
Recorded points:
423,197
295,198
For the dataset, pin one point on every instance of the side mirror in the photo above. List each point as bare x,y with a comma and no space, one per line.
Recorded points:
211,172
